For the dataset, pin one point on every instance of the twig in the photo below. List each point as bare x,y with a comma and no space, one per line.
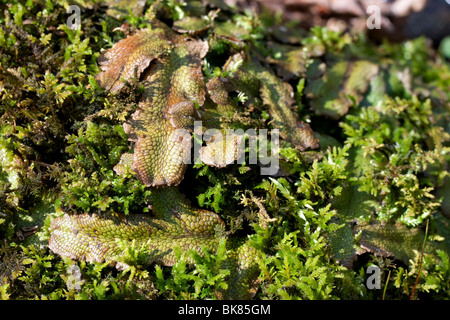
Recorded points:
421,260
385,286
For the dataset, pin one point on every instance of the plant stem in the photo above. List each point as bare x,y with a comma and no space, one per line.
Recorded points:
421,260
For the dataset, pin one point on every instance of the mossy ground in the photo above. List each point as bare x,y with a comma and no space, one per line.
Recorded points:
384,156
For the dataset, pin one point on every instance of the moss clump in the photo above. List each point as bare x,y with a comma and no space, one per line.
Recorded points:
383,157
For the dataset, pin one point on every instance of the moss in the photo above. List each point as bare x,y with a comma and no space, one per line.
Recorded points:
382,159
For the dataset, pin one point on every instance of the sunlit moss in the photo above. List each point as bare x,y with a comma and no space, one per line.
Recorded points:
381,113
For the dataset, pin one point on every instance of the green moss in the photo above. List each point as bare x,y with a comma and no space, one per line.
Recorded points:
381,113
